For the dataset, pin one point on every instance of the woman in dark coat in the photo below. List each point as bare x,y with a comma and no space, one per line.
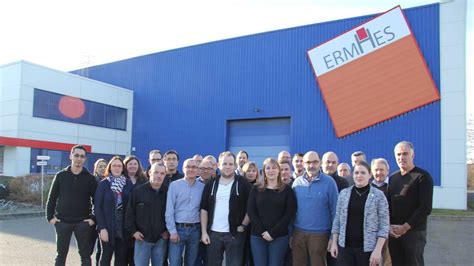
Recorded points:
111,200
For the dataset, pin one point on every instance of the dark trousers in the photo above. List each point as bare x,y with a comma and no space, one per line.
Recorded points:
330,260
119,248
352,257
98,252
233,246
84,235
408,249
202,256
131,252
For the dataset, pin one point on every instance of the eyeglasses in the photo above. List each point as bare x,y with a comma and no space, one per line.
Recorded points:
156,160
206,168
311,162
79,156
191,167
171,159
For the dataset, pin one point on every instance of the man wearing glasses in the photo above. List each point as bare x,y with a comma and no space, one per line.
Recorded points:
182,216
69,207
171,159
154,156
207,170
316,195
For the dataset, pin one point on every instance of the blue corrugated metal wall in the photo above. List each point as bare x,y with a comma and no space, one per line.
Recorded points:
184,97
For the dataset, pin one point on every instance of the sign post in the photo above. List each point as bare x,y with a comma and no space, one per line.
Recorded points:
42,161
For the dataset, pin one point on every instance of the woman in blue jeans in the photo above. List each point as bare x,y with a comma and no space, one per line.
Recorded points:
271,207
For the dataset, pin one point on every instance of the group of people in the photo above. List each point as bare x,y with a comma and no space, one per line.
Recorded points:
321,213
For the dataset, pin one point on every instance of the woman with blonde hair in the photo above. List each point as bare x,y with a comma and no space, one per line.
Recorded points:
250,172
100,166
99,169
271,207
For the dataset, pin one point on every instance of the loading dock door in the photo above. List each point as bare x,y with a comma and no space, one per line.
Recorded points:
261,138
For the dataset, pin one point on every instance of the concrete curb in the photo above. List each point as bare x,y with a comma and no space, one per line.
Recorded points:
11,216
450,218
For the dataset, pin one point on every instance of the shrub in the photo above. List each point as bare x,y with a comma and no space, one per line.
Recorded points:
27,189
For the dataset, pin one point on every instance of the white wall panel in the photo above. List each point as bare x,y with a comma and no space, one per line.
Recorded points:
452,192
451,81
449,198
16,161
96,133
9,107
10,92
47,126
454,104
10,74
9,123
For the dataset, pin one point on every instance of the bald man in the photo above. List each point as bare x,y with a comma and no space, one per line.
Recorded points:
329,164
284,156
316,195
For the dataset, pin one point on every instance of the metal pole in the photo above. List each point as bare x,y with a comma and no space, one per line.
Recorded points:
42,187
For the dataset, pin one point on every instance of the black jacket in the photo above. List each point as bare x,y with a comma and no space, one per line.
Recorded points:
172,177
146,212
239,195
70,196
340,182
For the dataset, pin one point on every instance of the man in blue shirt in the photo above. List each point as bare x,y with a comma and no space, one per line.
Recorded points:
182,215
316,195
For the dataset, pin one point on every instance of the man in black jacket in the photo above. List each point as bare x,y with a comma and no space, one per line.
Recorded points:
223,214
69,207
410,198
329,164
171,161
145,218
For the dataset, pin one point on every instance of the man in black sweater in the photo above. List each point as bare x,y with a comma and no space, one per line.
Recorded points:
145,218
69,207
410,197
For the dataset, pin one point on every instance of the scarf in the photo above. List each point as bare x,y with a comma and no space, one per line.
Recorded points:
117,184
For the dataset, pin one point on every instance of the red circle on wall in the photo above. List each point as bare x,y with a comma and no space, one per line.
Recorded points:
71,107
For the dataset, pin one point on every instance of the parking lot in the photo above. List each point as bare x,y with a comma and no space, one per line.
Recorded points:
30,241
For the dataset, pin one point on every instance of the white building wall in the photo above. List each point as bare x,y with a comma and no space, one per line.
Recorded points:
452,192
16,161
17,83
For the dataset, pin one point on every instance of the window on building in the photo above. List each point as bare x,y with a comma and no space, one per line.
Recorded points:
70,109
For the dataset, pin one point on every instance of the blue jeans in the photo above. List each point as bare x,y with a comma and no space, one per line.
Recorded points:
233,247
144,251
269,253
189,237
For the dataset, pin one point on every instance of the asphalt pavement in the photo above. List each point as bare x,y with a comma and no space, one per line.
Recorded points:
30,241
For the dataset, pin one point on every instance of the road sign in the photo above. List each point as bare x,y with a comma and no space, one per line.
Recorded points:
42,163
43,157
